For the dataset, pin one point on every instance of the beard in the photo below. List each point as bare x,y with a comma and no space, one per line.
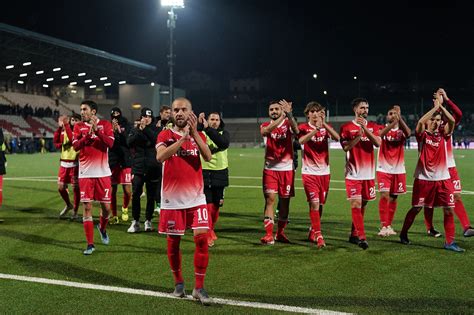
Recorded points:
181,123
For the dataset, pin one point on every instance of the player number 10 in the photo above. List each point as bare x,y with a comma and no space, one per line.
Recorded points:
202,214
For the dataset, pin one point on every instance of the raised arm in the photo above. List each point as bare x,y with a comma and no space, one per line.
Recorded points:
373,138
449,127
222,141
265,131
421,125
457,113
202,145
163,152
288,109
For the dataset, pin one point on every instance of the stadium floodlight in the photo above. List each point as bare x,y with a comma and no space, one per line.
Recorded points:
103,78
56,69
10,67
49,79
152,83
315,75
39,72
172,3
26,63
65,77
325,92
22,75
93,86
88,81
73,83
107,84
81,74
355,77
20,82
45,86
73,91
122,82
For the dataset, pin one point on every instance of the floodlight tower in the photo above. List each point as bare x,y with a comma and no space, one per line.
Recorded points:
172,17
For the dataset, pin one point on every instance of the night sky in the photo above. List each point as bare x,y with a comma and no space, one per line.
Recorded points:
384,40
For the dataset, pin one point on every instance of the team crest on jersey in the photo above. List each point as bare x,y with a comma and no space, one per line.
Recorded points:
171,225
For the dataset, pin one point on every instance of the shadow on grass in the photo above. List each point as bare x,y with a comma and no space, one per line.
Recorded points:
36,239
69,271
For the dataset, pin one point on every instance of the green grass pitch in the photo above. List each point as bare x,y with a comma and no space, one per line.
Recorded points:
386,278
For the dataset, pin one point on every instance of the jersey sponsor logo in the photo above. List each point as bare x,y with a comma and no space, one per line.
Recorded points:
317,139
432,143
183,152
278,136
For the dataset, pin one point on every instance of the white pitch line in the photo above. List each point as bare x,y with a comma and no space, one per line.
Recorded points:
268,306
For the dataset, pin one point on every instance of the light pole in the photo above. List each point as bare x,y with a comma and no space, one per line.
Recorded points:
172,17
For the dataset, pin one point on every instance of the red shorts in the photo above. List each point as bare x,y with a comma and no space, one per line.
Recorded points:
316,187
281,182
360,189
427,193
68,175
122,176
453,172
396,184
98,189
175,222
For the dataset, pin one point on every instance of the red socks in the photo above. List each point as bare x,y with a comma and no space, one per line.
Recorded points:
462,214
428,218
210,212
268,224
201,259
315,221
103,223
392,208
214,214
449,227
65,195
174,258
89,230
383,212
358,221
409,218
281,226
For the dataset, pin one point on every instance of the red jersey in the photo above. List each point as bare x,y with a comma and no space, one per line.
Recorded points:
315,155
94,148
457,114
182,186
360,162
432,156
279,147
391,156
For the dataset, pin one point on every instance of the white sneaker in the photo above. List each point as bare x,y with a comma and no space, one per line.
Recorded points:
390,231
134,227
65,211
148,226
383,232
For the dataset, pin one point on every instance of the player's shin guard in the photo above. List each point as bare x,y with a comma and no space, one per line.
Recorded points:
449,227
268,224
409,218
462,214
392,208
201,259
358,221
428,212
315,221
88,229
174,258
383,212
103,223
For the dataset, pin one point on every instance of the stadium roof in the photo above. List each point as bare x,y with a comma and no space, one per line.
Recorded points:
18,47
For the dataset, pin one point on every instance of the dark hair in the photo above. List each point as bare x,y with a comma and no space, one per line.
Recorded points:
313,106
163,108
272,102
76,116
92,105
355,102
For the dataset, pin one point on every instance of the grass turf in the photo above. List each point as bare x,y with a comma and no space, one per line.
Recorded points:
387,278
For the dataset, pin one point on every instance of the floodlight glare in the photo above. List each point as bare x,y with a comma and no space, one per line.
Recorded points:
325,92
73,91
45,86
107,84
40,72
49,79
172,3
315,75
10,67
73,83
88,81
56,69
355,78
152,83
81,74
23,75
20,82
103,78
65,77
93,86
122,82
26,64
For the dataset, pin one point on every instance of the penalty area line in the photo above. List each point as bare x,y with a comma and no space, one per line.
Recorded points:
268,306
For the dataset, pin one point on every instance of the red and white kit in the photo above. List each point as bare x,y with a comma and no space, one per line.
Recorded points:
432,187
278,174
182,187
360,161
94,171
391,173
315,170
